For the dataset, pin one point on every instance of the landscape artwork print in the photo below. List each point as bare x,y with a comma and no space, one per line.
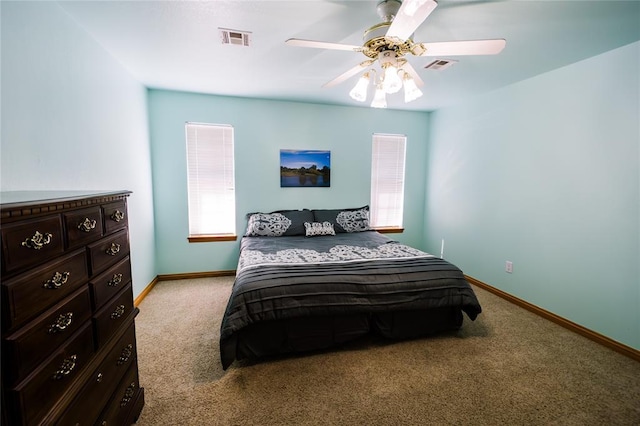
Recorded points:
305,168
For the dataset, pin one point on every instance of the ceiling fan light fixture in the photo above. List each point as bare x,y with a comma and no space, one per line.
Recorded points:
411,90
380,98
359,91
391,82
389,41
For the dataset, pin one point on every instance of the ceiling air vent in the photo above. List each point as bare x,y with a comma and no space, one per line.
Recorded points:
440,64
238,38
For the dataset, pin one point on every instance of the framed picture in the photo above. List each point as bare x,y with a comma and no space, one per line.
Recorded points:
305,168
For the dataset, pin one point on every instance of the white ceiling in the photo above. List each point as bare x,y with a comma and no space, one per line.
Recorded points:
176,44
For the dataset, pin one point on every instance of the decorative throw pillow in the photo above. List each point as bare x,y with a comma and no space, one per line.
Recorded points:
345,220
316,228
267,225
278,223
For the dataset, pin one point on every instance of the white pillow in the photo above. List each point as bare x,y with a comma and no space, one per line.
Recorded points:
316,228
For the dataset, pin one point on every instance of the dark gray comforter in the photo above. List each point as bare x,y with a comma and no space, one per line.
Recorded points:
290,277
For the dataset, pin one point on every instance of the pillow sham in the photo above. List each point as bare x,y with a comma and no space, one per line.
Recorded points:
315,228
345,220
278,223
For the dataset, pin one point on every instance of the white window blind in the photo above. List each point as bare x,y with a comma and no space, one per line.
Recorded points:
210,179
387,180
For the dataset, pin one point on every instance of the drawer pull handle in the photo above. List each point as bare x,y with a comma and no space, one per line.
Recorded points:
128,394
113,249
115,281
87,225
37,241
99,377
57,280
66,368
119,312
117,216
125,354
61,324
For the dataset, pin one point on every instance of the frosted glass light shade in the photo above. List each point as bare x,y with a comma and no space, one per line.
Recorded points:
380,98
411,91
359,91
391,82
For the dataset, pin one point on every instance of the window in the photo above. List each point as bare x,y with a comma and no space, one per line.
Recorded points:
211,182
387,181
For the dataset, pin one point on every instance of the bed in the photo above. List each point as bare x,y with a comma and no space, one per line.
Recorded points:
315,279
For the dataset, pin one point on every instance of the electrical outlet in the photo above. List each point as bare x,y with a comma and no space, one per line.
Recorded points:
508,266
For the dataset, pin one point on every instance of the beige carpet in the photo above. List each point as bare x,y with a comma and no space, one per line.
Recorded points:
509,367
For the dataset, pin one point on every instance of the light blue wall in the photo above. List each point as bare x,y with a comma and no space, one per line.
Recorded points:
546,173
73,118
262,128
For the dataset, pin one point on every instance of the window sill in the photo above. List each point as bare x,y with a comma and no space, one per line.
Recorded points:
211,238
389,230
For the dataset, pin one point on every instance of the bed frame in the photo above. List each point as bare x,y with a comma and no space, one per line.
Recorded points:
300,291
265,339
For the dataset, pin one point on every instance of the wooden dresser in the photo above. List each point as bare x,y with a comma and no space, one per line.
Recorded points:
68,334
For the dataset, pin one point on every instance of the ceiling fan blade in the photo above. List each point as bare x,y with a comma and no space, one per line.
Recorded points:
349,73
411,14
458,48
412,72
322,45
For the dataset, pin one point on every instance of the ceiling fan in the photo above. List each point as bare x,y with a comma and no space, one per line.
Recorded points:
388,42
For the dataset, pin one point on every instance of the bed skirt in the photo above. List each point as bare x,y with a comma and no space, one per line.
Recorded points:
268,338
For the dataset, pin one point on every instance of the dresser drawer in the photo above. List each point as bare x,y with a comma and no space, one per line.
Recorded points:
110,282
34,342
115,216
126,397
36,395
102,382
66,306
26,295
83,226
113,316
31,242
108,251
